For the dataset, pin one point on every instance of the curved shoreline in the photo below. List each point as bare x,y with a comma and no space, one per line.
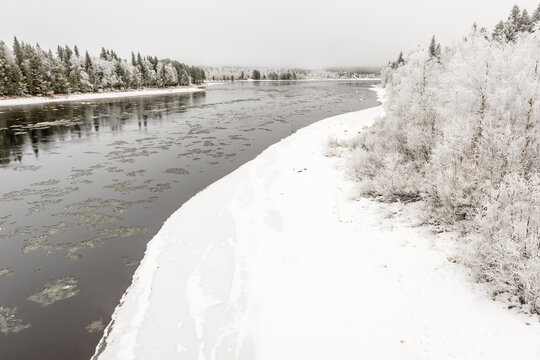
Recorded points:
274,261
35,100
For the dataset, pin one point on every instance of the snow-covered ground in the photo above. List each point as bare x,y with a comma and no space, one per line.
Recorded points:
277,261
31,100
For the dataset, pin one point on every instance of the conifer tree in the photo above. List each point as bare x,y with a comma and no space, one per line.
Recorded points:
513,24
525,23
87,62
36,80
400,59
76,51
60,53
74,78
18,85
162,77
433,47
536,16
498,33
60,82
121,74
68,54
184,78
5,72
18,51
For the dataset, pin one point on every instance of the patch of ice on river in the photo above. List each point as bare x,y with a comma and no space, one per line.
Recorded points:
95,326
136,173
125,186
160,187
46,182
176,171
39,206
55,290
9,323
6,272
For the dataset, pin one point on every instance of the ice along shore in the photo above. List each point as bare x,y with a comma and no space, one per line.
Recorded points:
277,261
33,100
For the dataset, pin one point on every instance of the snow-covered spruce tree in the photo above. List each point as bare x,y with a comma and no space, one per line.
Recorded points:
5,71
536,16
462,131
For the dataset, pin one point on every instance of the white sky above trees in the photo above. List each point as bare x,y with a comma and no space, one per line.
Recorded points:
304,33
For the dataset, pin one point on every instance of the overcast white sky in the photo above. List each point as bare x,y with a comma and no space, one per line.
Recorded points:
306,33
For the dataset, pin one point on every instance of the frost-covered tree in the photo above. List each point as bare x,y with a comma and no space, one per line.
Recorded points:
5,71
498,32
18,51
525,23
463,133
432,47
536,16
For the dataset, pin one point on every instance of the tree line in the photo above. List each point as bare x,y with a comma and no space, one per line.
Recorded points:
31,70
519,21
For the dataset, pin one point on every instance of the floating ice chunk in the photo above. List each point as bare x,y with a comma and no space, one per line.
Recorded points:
55,290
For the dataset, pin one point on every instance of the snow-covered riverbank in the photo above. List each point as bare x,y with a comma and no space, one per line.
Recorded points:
32,100
276,261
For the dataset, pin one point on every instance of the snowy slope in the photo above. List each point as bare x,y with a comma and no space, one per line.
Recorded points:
32,100
275,261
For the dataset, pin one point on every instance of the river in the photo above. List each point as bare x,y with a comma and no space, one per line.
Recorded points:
85,185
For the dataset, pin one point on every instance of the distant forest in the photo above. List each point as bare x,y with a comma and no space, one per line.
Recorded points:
31,70
244,73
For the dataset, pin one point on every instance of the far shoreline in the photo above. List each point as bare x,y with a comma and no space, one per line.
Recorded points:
36,100
56,98
307,79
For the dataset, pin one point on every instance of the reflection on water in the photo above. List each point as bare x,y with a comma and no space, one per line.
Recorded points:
85,185
38,126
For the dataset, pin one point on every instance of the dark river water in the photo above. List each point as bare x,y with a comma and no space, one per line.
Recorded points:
85,185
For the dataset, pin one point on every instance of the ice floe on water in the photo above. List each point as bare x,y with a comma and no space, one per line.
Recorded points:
125,186
6,271
9,323
38,206
160,187
176,171
17,231
129,262
52,192
136,173
95,326
46,182
55,290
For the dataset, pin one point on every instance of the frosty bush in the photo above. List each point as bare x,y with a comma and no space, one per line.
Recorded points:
509,253
462,131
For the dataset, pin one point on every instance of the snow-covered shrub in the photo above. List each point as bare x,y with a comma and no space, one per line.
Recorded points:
462,131
509,250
